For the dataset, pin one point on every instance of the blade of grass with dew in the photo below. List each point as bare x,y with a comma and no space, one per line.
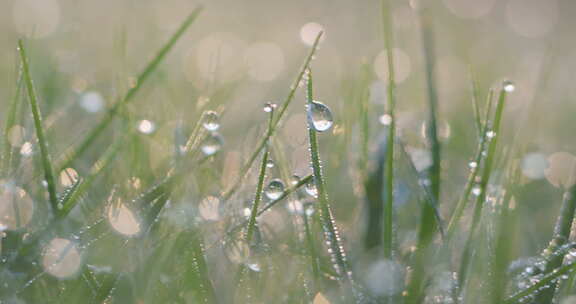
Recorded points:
141,79
475,169
483,187
10,122
561,235
244,170
532,290
504,240
69,201
251,224
388,179
37,116
336,250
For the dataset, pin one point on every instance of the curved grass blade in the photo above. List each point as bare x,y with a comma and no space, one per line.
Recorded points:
551,277
475,102
276,121
44,154
561,236
328,224
117,106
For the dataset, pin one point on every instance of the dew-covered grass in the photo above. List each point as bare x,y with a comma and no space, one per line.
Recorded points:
304,171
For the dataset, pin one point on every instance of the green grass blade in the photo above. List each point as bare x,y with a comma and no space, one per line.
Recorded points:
561,236
481,198
388,186
330,231
44,154
10,122
549,278
475,102
244,170
68,202
504,240
470,182
250,227
117,106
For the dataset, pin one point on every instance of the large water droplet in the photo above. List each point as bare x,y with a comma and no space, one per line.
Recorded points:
212,144
319,116
269,107
294,179
61,258
211,122
275,189
508,86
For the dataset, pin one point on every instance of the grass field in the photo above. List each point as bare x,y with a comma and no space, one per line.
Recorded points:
287,152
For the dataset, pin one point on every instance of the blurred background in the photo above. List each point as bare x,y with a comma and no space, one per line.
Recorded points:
85,54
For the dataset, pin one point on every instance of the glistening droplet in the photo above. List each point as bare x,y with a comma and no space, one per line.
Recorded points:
319,116
212,144
274,189
211,122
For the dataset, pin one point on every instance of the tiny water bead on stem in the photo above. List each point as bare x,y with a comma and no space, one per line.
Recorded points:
211,121
212,144
275,189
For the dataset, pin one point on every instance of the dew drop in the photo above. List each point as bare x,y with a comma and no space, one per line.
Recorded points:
211,121
490,134
146,126
473,164
61,258
385,119
476,191
269,107
26,149
311,189
212,144
319,116
294,179
508,86
274,189
270,164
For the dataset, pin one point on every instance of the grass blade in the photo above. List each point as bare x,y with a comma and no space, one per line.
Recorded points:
463,201
387,210
330,232
486,173
44,154
475,102
10,122
117,106
561,236
275,122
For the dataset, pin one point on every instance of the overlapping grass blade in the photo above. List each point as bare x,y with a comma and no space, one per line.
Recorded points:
561,235
10,122
483,186
141,79
42,142
283,107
